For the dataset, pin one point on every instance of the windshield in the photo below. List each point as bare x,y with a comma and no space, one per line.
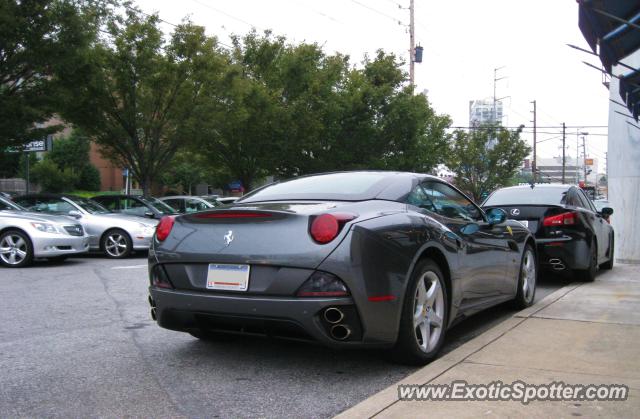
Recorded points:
333,186
158,205
212,201
527,196
91,206
6,205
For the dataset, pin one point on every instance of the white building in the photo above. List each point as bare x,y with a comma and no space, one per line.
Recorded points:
482,111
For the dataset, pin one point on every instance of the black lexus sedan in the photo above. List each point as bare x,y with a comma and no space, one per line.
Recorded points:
350,259
572,236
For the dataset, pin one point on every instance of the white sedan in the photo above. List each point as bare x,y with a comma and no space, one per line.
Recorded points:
26,235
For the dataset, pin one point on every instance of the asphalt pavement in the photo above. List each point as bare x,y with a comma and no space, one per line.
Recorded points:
77,340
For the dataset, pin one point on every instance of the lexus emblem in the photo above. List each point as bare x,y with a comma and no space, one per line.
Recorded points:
515,211
228,238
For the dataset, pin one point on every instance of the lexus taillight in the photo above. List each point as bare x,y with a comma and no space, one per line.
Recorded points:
326,227
164,227
566,218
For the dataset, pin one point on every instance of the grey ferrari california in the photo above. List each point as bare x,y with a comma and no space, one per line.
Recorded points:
349,259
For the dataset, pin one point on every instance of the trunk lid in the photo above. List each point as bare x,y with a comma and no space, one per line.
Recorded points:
531,215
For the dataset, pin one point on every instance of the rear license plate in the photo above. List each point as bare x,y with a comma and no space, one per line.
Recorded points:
228,277
524,223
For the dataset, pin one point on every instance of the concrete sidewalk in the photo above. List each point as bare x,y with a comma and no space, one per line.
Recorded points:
584,333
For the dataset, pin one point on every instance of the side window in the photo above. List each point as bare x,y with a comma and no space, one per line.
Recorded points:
419,198
450,203
57,206
585,202
133,207
109,203
194,205
28,203
173,203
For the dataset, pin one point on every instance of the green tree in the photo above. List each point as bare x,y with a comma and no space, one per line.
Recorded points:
486,158
140,92
72,153
52,178
40,40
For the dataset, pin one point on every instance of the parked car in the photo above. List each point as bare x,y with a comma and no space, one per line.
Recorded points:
185,204
117,235
142,206
352,259
26,235
571,234
217,200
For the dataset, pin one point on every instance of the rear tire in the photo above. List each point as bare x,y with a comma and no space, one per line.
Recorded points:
609,264
425,315
16,249
589,274
527,279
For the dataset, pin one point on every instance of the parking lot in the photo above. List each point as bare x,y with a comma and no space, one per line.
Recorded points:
77,341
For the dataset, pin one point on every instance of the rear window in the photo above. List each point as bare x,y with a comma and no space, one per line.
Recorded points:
526,196
332,186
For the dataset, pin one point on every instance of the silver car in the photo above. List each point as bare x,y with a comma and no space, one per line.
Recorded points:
26,235
117,235
186,204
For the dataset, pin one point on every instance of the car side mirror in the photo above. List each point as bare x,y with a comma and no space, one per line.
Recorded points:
606,211
496,216
149,214
75,214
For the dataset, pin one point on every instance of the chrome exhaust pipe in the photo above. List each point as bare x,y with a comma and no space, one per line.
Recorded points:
153,314
555,261
559,267
340,332
333,315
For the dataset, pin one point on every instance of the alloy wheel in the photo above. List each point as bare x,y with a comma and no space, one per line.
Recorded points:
116,245
528,274
428,309
13,249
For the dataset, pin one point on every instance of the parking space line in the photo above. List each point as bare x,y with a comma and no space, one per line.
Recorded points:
130,267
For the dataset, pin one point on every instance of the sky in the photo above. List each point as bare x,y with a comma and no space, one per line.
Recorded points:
463,40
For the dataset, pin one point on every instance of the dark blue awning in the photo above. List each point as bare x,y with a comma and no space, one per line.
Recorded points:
612,30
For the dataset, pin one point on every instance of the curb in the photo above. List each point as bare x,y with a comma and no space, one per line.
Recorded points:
382,400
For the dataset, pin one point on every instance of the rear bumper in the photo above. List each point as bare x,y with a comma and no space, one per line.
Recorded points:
286,317
563,253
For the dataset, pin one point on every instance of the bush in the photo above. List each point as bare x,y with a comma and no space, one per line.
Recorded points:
51,178
89,179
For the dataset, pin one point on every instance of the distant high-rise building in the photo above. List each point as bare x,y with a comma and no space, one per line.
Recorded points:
481,111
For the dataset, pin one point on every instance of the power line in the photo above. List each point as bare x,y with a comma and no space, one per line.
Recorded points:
226,14
375,11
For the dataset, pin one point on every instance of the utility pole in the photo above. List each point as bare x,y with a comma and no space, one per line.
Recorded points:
412,42
584,156
533,163
495,100
564,162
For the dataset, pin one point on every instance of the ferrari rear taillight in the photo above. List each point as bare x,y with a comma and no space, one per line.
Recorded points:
566,218
323,284
164,227
324,228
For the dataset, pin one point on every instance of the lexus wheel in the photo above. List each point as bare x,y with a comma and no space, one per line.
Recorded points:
116,244
424,316
16,250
